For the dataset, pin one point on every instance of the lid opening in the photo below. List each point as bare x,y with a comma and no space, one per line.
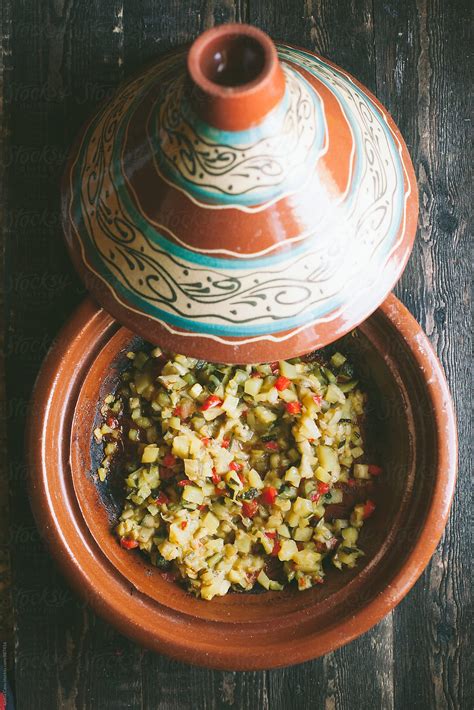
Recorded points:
235,76
232,60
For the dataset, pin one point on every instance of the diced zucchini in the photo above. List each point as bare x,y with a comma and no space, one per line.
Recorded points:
350,535
150,454
243,542
328,459
338,359
195,390
264,415
361,471
322,475
263,580
253,386
181,446
307,560
283,531
302,507
287,550
287,369
210,522
293,476
254,479
303,534
334,394
230,404
193,494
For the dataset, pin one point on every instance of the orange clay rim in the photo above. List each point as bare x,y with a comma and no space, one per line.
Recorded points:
71,543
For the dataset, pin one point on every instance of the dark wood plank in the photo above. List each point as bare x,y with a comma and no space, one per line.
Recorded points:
421,51
6,609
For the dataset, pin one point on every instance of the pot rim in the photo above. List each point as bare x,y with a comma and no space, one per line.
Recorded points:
206,654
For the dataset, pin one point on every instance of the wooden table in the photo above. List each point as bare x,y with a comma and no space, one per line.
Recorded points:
60,58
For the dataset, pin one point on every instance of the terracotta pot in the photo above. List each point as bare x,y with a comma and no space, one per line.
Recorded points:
240,203
414,425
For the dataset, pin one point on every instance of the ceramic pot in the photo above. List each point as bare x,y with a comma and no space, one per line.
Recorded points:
242,202
414,424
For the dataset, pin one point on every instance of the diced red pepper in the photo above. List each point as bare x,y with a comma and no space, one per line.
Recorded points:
234,466
221,492
375,470
211,402
225,443
128,544
112,421
184,482
205,441
268,495
249,508
183,524
166,473
369,508
293,407
272,445
314,497
275,367
169,460
317,398
256,374
161,498
202,507
276,548
351,482
241,477
300,546
177,412
323,488
271,534
215,477
282,383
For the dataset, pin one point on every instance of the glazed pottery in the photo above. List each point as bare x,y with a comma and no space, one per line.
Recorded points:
240,202
413,424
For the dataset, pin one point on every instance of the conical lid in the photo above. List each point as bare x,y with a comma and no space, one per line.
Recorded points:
240,202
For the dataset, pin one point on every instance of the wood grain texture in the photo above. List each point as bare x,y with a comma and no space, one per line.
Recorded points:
421,51
67,55
6,610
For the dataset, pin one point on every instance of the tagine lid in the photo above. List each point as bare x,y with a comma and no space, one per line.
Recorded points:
240,201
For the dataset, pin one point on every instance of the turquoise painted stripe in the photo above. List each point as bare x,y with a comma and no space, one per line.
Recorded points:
211,261
231,138
260,132
195,325
176,250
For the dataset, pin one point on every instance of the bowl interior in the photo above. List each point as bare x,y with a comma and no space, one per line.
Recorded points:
396,436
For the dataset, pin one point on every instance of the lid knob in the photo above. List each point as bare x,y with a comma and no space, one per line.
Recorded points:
236,75
242,202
